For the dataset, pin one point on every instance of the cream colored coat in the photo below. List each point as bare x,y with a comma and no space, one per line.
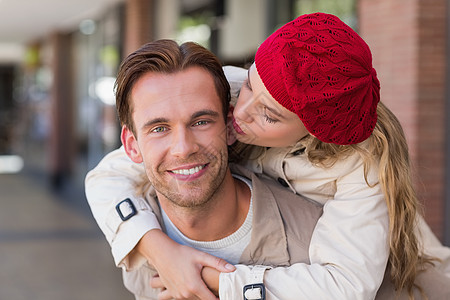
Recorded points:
275,240
283,226
349,248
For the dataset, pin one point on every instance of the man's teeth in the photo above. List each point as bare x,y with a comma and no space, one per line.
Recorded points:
188,171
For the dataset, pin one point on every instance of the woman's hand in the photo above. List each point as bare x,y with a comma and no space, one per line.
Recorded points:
179,267
210,277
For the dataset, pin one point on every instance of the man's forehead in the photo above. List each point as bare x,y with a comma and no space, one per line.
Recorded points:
193,80
171,96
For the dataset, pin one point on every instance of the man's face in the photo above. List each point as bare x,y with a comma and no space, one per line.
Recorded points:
181,135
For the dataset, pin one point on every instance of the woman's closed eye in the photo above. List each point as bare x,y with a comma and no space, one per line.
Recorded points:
268,118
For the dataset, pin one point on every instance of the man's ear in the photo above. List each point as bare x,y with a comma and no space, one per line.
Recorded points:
130,144
231,138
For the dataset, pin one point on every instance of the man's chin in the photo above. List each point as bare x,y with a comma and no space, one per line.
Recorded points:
192,201
184,194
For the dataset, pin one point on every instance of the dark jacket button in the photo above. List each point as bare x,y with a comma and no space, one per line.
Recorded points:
282,182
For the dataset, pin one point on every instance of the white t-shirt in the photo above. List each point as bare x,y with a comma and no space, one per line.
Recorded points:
229,248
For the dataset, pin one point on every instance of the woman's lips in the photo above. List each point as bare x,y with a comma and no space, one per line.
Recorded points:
237,128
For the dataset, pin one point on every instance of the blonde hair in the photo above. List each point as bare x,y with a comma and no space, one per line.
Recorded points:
388,148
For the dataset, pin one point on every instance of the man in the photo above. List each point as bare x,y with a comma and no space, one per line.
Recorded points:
172,102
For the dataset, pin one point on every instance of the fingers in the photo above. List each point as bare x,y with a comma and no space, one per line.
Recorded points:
219,264
205,293
164,295
191,292
180,275
199,294
157,283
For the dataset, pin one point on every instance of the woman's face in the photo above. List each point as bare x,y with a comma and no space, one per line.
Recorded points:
259,119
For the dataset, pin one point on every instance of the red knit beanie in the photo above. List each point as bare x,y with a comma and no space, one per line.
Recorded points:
319,68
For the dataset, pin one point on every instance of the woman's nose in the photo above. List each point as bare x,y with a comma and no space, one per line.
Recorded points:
243,110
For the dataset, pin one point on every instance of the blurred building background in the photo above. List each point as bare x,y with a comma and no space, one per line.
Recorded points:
58,60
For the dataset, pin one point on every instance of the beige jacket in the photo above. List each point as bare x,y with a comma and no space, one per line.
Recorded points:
276,239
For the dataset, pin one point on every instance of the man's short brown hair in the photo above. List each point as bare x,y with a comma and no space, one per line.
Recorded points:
165,56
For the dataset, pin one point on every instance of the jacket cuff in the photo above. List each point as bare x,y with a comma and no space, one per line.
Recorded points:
231,284
128,235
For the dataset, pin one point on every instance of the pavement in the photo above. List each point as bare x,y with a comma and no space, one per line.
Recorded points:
50,246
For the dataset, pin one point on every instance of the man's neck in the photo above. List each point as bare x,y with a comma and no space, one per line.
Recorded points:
222,216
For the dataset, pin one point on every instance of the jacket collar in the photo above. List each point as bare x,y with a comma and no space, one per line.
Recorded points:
268,242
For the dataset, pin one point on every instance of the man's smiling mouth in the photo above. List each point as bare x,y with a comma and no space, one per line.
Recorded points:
190,171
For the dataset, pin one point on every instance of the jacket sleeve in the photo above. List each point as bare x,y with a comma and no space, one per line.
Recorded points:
114,179
348,251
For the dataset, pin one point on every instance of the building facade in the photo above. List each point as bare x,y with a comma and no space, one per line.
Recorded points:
66,80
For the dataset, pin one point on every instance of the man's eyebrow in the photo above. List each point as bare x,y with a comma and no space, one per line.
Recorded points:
205,112
197,114
154,121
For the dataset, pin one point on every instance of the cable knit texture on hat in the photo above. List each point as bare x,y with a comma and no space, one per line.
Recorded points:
319,68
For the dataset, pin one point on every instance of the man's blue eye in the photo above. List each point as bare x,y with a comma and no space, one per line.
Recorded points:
159,129
200,123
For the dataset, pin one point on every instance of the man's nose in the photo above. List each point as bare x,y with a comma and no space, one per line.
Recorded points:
183,143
